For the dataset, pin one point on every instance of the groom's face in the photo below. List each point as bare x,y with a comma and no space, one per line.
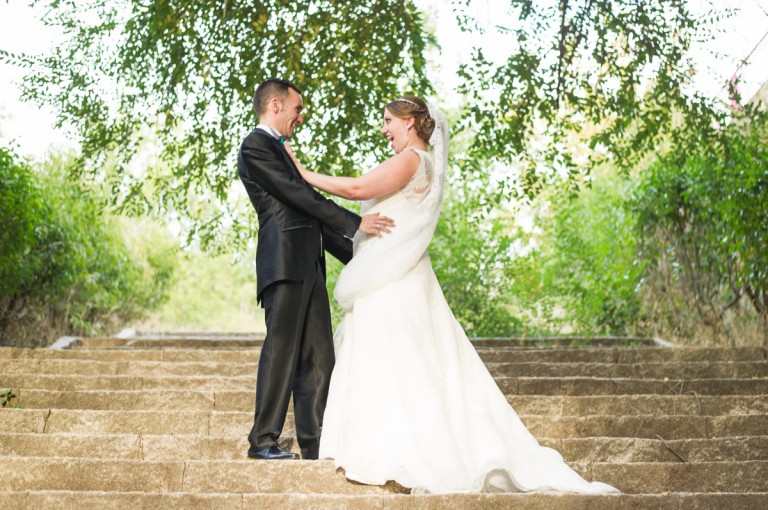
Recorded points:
288,114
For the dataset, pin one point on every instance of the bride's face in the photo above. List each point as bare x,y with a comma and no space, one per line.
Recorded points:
396,131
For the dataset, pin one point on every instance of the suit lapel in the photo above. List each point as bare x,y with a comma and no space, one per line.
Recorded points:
290,163
286,158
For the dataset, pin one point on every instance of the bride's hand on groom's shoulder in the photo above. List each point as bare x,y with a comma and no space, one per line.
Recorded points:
376,224
292,155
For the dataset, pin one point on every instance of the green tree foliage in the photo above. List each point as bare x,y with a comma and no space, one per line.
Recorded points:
618,69
588,258
470,254
703,214
21,209
175,78
210,294
65,264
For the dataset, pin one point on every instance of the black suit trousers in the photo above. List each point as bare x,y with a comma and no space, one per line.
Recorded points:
297,358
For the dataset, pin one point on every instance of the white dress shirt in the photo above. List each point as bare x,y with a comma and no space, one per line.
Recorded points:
269,129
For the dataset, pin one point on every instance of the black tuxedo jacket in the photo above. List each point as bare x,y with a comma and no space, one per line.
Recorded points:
295,222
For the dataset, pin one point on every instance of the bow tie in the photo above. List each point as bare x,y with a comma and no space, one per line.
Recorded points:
281,140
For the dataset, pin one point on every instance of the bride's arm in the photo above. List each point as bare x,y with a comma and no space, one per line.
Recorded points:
389,176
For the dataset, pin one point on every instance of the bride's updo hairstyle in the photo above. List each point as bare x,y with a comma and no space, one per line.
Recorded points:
412,106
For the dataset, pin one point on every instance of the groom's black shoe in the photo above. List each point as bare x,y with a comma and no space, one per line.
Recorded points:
311,452
272,453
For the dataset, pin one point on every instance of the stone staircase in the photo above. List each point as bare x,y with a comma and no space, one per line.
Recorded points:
160,421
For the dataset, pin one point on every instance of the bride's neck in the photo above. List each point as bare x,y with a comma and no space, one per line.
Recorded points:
416,144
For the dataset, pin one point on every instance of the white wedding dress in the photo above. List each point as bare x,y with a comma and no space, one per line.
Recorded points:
410,400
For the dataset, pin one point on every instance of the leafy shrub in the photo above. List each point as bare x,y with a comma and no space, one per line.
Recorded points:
703,216
23,214
589,258
66,266
471,256
210,294
6,397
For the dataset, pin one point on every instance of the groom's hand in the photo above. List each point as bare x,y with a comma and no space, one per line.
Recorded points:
375,224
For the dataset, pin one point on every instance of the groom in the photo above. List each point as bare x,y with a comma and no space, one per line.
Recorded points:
296,226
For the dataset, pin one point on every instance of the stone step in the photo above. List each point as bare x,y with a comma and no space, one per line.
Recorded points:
645,355
680,370
170,355
647,426
134,368
182,447
545,405
508,385
622,405
46,473
168,343
138,400
128,382
531,501
490,355
650,370
197,334
625,450
168,447
321,477
656,478
237,424
643,426
565,342
616,386
223,341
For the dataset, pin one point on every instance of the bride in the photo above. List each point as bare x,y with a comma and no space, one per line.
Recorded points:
410,400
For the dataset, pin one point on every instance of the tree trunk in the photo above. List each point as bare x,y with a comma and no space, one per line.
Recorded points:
5,319
759,301
764,323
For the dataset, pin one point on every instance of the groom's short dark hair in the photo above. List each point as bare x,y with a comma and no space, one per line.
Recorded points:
269,89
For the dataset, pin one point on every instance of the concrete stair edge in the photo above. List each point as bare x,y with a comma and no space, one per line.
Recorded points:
241,501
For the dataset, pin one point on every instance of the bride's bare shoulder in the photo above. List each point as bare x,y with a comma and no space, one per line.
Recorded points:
407,157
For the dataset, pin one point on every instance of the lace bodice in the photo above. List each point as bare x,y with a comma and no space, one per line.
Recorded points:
416,209
416,189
